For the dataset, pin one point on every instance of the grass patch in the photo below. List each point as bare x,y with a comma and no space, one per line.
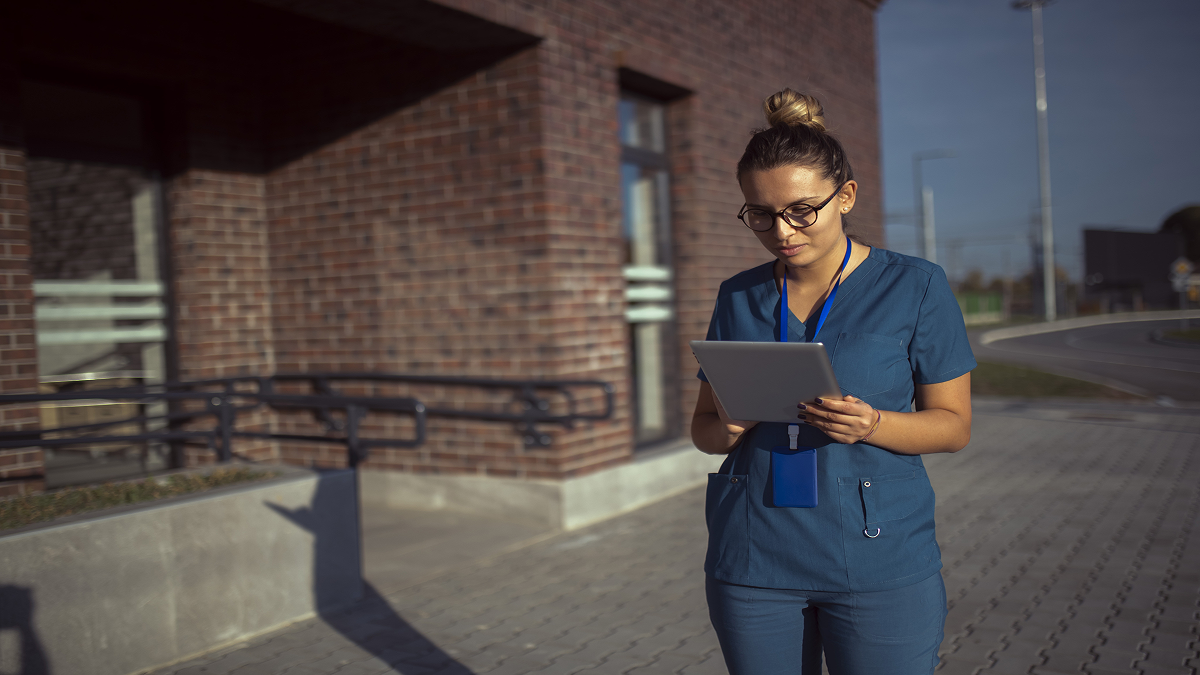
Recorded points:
31,509
998,379
1189,335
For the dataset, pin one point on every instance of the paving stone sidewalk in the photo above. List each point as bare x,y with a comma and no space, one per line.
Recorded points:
1068,532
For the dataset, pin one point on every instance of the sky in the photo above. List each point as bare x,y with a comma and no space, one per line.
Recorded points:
1123,105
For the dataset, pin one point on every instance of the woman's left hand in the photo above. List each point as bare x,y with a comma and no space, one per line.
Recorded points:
845,420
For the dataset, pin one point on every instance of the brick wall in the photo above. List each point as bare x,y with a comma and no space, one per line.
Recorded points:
478,230
346,202
219,246
730,56
20,470
417,244
220,285
218,237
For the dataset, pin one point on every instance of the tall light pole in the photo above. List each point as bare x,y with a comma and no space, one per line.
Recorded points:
924,222
1039,78
929,243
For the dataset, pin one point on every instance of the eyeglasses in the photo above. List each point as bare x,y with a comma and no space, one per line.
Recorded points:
798,216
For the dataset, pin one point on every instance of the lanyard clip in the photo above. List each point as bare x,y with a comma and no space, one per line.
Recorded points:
793,436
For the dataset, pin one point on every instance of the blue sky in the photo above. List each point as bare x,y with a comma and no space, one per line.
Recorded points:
1123,83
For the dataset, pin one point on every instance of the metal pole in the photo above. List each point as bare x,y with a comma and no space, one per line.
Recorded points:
1039,76
918,206
925,242
929,240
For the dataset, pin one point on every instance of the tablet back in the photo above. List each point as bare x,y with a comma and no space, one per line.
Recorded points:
763,381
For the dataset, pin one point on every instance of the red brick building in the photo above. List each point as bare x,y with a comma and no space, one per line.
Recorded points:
493,188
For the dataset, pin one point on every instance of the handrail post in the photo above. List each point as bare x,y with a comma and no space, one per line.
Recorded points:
223,408
358,450
534,410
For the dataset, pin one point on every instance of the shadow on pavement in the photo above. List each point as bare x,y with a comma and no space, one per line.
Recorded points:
16,613
371,623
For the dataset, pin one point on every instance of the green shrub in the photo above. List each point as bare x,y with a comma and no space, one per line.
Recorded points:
1000,379
30,509
1189,335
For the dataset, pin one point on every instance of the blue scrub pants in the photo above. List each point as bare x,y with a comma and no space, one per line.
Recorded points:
772,631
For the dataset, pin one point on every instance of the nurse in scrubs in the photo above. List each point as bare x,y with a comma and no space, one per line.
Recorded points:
855,579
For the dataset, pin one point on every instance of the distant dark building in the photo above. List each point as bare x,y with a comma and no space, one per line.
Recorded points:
1130,270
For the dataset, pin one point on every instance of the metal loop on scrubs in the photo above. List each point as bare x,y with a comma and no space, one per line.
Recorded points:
867,531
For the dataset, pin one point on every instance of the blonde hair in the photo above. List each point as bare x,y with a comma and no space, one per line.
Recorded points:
796,137
791,108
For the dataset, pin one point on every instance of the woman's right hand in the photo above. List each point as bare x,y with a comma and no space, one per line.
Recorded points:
731,425
713,431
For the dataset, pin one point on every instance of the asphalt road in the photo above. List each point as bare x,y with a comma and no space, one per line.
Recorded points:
1124,355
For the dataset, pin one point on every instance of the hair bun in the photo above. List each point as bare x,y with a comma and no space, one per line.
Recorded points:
791,108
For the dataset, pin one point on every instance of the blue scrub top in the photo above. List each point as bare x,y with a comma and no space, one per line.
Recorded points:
894,323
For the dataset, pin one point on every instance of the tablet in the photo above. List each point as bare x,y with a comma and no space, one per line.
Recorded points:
763,381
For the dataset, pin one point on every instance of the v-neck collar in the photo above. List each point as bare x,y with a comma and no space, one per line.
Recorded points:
799,329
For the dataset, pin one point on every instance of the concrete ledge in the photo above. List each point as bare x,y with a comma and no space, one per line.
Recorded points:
1084,322
645,480
119,592
566,504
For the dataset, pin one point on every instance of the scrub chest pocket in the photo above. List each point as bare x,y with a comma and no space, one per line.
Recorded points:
867,364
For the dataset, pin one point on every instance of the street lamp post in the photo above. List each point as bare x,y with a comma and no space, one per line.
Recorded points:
1039,77
924,221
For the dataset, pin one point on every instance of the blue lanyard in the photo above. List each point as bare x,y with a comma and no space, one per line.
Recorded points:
783,308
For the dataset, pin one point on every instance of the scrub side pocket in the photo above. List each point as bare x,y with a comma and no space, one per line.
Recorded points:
887,528
727,512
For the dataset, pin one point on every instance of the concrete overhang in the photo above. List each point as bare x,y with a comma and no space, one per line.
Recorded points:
415,22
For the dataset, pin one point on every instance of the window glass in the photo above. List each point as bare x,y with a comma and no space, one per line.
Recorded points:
100,307
644,193
645,190
642,124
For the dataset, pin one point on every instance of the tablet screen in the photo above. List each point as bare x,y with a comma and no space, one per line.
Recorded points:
763,381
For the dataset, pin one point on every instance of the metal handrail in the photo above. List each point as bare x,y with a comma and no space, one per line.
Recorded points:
226,404
535,409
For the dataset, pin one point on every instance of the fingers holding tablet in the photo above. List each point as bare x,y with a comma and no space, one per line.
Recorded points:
844,419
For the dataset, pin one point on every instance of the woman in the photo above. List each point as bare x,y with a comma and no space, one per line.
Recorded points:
857,576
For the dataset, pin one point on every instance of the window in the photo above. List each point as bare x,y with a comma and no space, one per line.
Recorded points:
100,301
645,196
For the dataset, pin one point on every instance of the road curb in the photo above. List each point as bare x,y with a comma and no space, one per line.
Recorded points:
1084,322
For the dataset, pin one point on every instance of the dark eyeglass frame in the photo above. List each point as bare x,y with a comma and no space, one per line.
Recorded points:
802,217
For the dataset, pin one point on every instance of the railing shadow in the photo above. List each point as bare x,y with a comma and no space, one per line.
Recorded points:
370,622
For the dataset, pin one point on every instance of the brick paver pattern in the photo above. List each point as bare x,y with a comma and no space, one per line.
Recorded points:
1070,545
